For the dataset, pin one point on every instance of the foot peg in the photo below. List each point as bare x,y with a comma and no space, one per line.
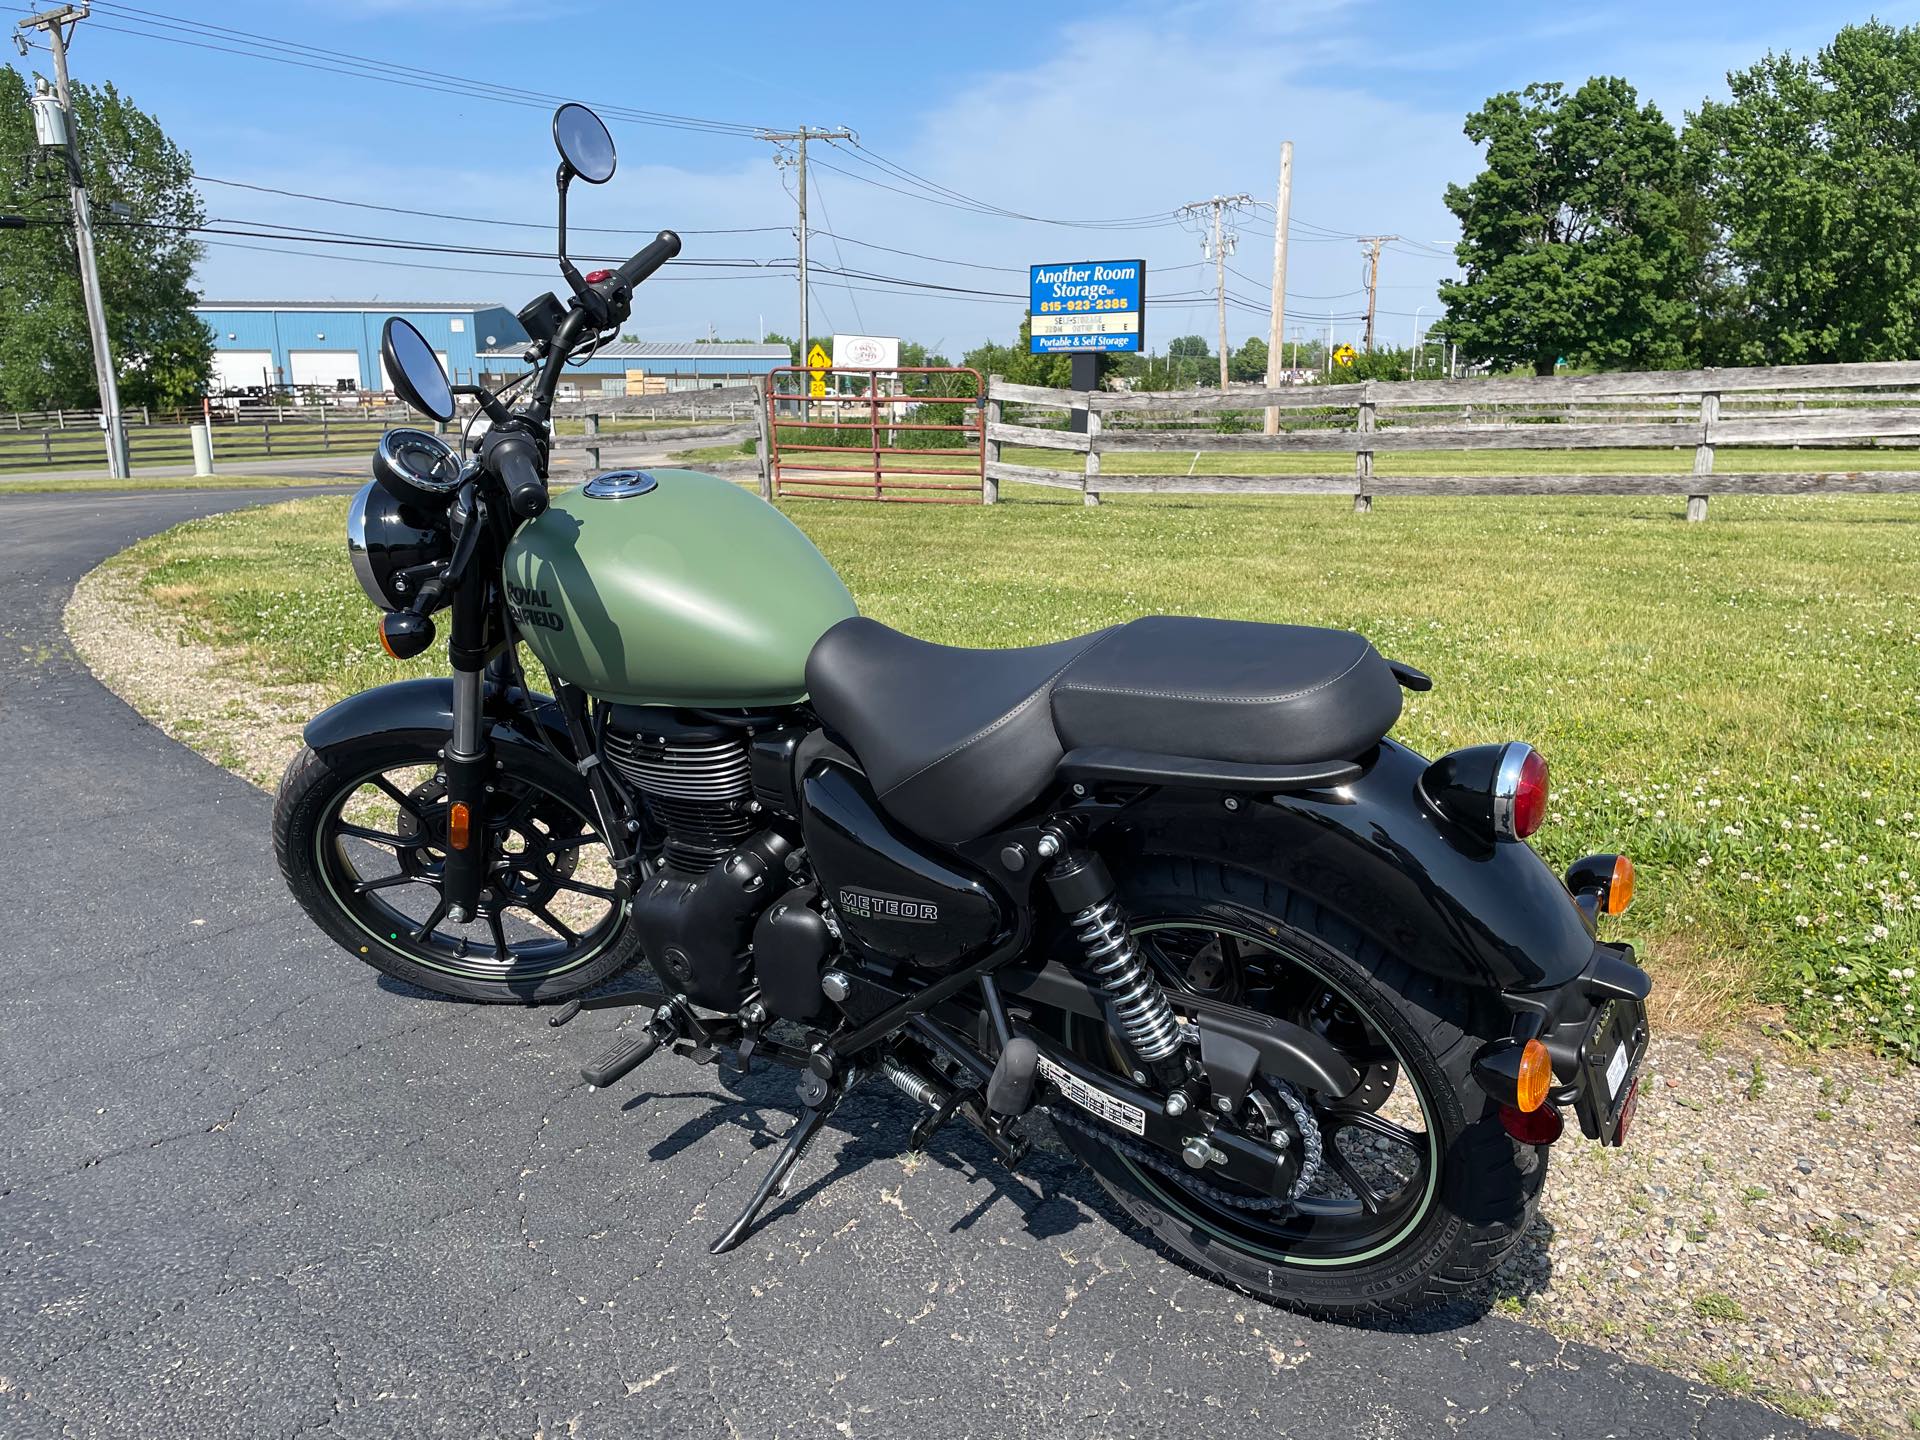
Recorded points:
617,1063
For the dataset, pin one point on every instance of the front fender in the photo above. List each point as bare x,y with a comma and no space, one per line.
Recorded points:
426,704
1494,916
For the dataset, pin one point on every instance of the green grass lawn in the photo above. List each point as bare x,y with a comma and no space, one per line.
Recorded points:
1735,704
1728,459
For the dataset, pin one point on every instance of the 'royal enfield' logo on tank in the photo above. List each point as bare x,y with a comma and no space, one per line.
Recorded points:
873,905
531,608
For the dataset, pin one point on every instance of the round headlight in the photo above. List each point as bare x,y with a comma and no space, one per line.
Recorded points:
387,539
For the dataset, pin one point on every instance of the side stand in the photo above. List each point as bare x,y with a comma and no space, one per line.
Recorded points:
779,1179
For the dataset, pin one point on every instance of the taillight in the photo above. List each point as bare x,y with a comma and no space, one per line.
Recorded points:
1498,792
1520,791
1533,1127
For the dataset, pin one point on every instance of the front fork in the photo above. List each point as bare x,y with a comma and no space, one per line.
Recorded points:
468,764
468,759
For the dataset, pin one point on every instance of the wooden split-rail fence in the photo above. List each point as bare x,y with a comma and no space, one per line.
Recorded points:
1705,411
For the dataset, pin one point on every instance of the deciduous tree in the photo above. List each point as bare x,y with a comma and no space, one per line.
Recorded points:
1812,182
146,257
1572,236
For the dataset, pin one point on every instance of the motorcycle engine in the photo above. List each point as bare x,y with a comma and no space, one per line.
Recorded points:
696,778
721,866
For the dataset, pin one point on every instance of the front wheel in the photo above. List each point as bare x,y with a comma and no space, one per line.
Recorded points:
1417,1191
361,833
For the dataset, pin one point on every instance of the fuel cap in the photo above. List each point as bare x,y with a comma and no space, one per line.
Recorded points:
621,485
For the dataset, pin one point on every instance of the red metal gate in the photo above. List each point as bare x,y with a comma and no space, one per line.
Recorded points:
914,434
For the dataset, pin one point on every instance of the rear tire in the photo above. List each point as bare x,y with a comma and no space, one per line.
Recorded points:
314,791
1485,1187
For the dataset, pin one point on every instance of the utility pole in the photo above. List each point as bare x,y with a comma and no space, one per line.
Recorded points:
1373,244
57,25
1216,249
798,139
1276,323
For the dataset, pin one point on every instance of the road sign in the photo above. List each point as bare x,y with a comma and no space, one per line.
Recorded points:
1343,356
818,363
1087,305
866,352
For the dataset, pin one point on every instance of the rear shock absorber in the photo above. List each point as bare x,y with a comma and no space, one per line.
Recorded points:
1083,888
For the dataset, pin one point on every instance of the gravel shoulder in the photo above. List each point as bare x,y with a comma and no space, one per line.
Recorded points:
1760,1232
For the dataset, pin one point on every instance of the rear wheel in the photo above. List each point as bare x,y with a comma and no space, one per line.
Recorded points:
1412,1190
361,838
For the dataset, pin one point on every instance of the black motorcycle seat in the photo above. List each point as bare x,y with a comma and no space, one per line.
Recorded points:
955,741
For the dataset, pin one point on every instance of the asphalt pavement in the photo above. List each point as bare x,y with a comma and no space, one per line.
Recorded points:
251,1188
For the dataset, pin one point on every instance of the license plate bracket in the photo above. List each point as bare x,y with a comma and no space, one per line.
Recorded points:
1609,1061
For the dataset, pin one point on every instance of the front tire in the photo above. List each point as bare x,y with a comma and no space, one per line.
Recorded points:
359,831
1449,1226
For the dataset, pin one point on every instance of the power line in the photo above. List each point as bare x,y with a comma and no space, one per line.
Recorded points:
481,219
858,319
153,25
1155,220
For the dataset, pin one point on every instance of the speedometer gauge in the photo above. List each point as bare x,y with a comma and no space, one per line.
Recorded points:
416,468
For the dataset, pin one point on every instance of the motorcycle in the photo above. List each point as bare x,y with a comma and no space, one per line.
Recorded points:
1306,1004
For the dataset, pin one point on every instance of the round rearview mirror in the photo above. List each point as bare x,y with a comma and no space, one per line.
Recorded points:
583,142
414,370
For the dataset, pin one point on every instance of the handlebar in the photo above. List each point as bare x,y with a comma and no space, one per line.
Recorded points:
662,248
516,460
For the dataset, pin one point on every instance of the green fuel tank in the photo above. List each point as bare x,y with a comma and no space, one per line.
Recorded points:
670,587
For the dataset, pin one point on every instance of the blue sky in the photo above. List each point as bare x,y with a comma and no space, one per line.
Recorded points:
1117,111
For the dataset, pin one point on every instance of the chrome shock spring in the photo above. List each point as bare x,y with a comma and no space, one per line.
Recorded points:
1140,1008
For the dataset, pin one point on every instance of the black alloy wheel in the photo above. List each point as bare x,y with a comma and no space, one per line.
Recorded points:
363,846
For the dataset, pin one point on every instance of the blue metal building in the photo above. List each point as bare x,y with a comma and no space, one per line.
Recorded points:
335,345
650,367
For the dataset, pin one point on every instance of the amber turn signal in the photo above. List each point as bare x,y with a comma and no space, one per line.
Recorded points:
1515,1072
1535,1079
1603,884
1620,886
459,825
404,634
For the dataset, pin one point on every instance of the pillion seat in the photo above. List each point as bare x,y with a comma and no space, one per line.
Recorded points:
956,741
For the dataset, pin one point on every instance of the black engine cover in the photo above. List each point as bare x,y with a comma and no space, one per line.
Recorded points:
894,899
790,947
695,929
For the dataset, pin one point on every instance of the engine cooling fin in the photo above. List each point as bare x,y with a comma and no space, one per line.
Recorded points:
698,786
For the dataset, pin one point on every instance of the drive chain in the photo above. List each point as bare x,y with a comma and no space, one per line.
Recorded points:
1155,1160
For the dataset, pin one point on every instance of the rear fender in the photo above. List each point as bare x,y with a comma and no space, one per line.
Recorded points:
425,705
1373,852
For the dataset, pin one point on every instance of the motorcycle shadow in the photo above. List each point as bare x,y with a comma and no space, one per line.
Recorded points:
1051,1192
870,1125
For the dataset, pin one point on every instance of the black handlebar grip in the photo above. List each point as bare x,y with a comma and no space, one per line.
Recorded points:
663,248
518,463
